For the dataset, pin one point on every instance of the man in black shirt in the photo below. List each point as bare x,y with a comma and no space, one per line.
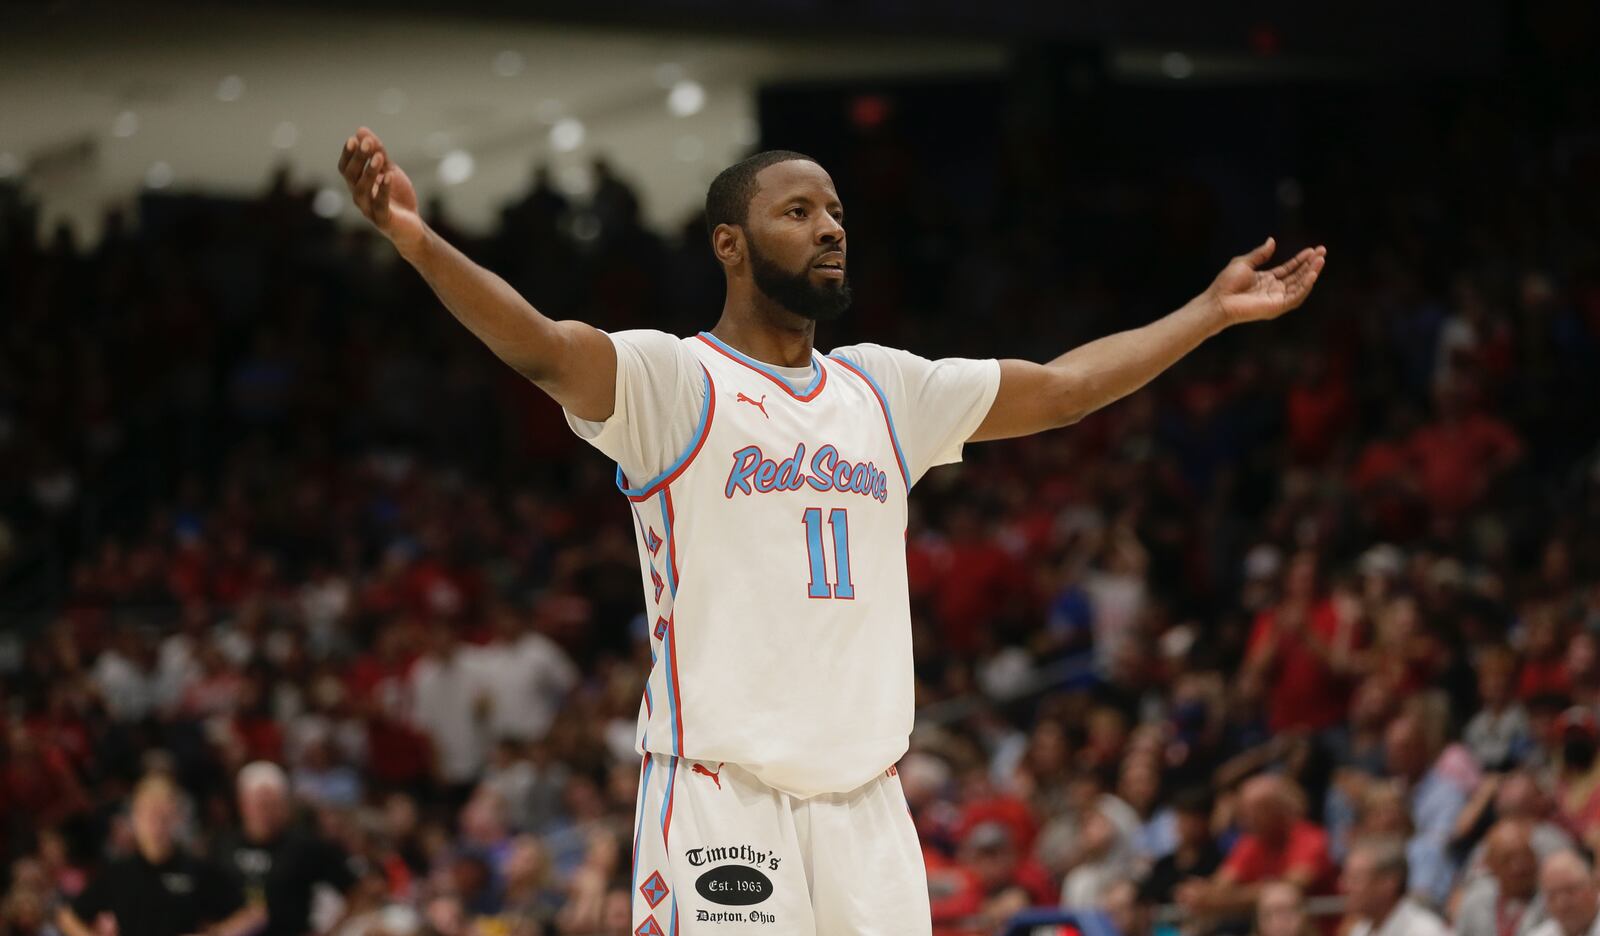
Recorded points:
159,890
1196,855
277,866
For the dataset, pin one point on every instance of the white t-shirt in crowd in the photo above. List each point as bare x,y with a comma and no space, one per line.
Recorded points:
1408,918
525,682
1552,928
444,701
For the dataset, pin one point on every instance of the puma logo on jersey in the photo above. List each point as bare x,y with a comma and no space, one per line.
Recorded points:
758,404
714,775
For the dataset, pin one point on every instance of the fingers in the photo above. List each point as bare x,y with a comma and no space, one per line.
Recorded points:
380,200
357,149
369,175
1261,254
1288,267
1310,260
360,162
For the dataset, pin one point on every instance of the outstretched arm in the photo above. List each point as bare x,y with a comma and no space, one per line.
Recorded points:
1035,397
573,362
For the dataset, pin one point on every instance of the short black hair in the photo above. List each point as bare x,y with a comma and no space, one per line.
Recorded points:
728,199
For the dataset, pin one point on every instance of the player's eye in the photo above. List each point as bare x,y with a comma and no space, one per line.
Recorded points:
797,211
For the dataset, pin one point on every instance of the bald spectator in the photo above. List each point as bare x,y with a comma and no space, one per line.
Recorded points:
1514,797
1567,883
1374,883
1278,844
1506,901
1281,911
159,890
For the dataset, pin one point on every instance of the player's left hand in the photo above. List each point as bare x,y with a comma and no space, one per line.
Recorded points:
1243,293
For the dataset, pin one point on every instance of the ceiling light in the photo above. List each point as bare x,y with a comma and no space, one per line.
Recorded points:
158,176
567,134
328,203
230,88
456,167
125,125
686,98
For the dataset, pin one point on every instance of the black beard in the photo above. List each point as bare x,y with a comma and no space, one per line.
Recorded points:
796,292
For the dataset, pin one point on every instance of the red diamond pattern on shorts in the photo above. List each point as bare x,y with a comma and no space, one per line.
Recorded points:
654,889
661,628
649,928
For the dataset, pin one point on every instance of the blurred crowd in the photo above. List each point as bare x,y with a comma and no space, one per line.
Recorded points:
313,604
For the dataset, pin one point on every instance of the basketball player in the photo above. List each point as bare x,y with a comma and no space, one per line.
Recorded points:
767,485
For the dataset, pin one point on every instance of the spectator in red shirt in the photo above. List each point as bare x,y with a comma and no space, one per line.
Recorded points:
1278,844
1317,410
1544,667
1292,654
991,582
1008,881
1385,480
1461,453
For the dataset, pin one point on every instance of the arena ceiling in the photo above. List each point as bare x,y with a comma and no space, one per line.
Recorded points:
101,98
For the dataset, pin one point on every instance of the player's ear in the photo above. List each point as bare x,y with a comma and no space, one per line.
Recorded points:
727,242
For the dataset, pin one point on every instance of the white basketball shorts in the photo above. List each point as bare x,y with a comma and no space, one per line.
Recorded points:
718,853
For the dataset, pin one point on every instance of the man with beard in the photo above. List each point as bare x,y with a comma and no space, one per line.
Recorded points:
768,490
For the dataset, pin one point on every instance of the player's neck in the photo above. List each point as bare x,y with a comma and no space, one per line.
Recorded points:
782,344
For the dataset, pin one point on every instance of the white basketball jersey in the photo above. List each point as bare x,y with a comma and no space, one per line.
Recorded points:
773,556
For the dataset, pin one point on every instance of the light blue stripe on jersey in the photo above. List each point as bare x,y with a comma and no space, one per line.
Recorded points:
766,368
694,442
638,827
905,474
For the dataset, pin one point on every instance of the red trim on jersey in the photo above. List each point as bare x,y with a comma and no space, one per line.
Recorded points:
823,382
672,791
711,412
672,620
672,546
887,422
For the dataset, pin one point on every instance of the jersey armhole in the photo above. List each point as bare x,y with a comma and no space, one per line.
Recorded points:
888,418
666,477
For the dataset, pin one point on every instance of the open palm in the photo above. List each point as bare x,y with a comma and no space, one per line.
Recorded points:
1247,294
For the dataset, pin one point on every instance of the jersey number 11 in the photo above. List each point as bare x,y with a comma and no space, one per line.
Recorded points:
839,523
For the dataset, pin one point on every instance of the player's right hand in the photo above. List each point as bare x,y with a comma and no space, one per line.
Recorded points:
381,190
